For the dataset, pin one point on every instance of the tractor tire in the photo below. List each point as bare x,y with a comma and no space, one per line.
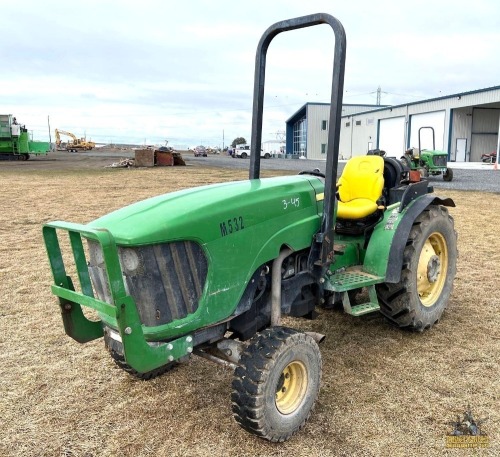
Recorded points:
419,299
277,383
448,175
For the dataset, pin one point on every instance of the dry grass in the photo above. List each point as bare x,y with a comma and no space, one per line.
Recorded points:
384,391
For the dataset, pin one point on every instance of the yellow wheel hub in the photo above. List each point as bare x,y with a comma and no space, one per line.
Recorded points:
292,387
432,268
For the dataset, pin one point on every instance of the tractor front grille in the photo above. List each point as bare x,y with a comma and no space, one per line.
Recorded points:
439,161
166,280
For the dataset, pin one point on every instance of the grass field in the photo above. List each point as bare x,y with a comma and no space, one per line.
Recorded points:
384,391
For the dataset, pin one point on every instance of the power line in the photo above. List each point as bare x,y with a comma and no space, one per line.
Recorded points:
404,95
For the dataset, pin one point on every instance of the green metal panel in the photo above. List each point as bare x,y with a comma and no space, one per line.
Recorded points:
349,251
377,252
202,213
23,143
39,147
15,144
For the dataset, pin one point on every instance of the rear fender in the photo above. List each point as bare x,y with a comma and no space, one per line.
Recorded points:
384,255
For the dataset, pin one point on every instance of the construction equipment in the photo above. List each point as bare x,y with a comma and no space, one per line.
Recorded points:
15,142
211,270
428,161
77,144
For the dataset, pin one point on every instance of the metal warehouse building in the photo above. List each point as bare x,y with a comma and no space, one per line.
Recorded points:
307,129
466,125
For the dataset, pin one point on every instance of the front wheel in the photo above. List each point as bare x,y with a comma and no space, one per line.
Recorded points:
277,383
448,174
243,155
419,299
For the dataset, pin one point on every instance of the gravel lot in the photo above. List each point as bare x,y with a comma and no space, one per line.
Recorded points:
487,179
467,176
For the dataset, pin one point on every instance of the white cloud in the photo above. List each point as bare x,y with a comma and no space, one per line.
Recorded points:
125,71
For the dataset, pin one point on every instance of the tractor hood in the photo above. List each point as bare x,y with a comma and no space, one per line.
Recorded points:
206,213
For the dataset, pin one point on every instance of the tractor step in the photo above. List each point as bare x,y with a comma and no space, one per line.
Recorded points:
365,308
351,279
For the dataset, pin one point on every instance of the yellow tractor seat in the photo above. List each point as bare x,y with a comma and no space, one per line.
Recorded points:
360,186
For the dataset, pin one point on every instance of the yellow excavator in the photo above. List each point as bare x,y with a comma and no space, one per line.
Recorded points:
76,144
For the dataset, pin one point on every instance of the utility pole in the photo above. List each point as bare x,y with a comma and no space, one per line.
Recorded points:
50,138
379,94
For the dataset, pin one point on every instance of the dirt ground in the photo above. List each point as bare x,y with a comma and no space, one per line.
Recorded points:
384,391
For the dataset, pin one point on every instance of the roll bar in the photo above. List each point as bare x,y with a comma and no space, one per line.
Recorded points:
433,138
325,237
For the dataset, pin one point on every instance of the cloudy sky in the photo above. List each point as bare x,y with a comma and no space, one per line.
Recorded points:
151,70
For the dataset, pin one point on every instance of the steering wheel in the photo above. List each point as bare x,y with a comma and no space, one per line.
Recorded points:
315,172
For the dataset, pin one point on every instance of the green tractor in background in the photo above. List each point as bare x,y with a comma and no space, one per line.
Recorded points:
210,271
15,142
428,161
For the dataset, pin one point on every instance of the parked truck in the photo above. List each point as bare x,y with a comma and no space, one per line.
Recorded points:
15,142
242,151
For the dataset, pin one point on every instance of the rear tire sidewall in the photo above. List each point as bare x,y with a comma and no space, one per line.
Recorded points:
430,314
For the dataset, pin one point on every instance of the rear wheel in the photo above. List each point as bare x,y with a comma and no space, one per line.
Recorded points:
277,383
243,155
418,300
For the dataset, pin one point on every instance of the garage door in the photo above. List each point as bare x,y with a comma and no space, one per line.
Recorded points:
391,137
484,132
434,120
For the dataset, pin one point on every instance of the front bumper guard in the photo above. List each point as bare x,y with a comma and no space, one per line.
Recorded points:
138,353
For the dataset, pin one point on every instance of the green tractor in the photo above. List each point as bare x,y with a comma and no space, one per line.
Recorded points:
15,142
428,161
210,271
